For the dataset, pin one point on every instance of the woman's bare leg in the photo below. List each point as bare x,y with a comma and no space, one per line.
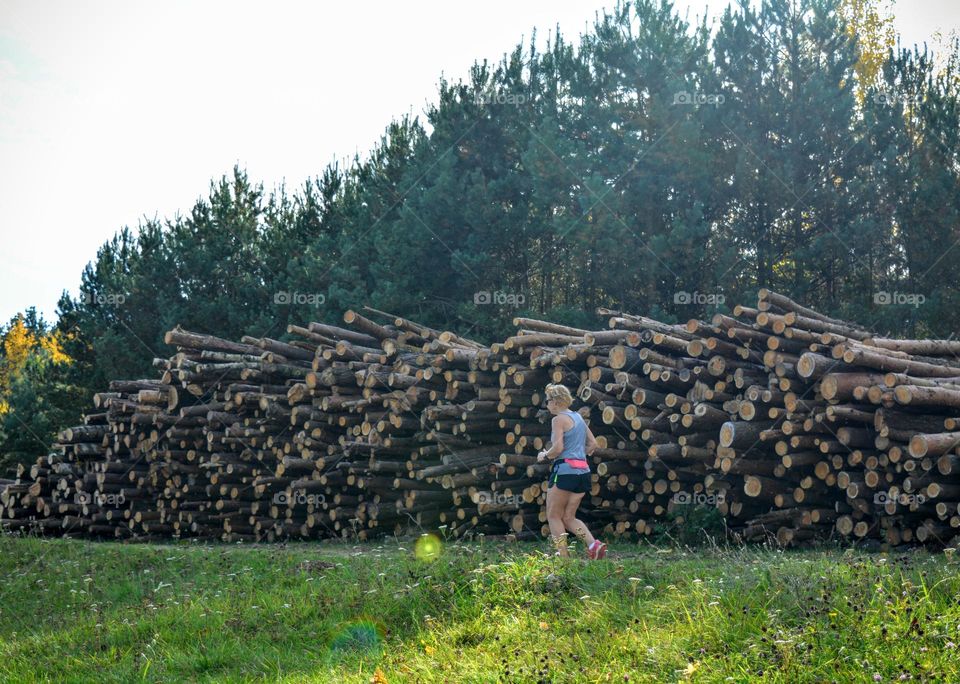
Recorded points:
556,505
572,523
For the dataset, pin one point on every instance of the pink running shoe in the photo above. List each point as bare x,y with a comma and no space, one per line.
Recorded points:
596,550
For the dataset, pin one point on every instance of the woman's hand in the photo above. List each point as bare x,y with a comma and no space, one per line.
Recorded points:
542,456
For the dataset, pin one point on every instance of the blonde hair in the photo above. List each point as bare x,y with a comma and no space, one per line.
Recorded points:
560,394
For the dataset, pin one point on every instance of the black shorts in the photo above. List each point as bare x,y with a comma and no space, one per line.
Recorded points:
576,484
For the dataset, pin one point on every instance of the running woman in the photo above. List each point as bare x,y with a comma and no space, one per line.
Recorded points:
570,443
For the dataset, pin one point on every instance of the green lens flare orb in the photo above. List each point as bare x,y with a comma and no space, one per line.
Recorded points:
427,547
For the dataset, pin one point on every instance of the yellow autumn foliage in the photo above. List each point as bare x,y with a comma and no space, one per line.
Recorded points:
18,343
53,345
872,26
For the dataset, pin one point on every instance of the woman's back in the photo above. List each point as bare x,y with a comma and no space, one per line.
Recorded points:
574,447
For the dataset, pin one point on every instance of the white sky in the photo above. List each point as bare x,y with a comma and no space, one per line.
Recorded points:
112,111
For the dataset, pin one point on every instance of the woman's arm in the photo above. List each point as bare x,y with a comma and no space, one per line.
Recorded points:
591,444
556,441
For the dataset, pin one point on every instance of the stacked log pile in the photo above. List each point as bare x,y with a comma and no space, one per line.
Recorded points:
795,425
850,434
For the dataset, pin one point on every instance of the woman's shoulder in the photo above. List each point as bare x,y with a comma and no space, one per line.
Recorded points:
564,420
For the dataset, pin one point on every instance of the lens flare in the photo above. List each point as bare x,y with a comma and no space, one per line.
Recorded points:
362,636
428,547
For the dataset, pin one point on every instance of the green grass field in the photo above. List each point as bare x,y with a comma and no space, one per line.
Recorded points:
78,611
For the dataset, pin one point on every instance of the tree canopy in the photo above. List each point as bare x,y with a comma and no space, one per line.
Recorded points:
651,165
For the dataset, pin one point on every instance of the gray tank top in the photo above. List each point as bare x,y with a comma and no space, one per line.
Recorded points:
574,446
